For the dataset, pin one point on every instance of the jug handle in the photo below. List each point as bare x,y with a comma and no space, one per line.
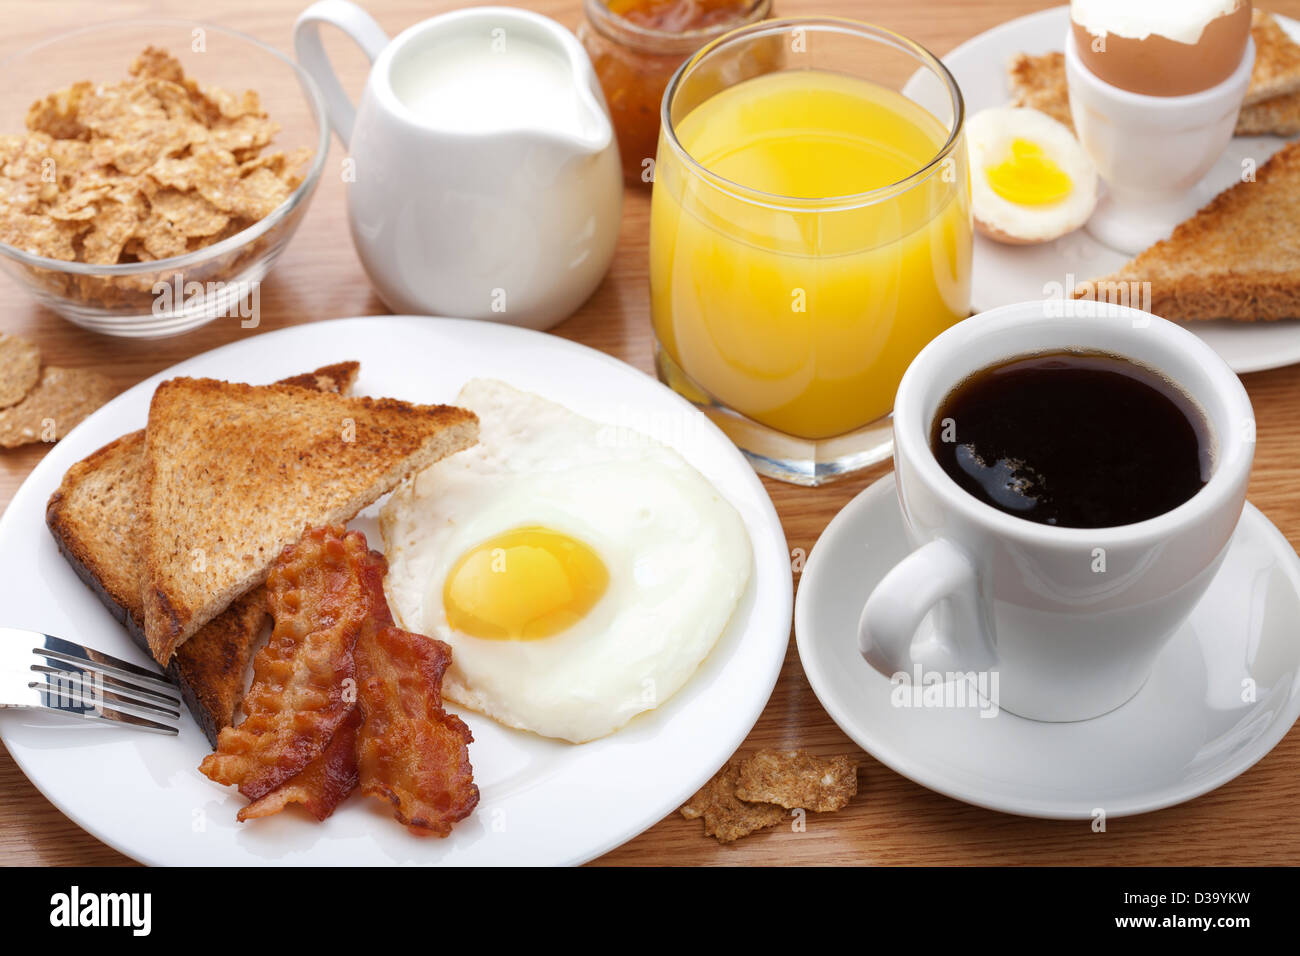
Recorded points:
364,32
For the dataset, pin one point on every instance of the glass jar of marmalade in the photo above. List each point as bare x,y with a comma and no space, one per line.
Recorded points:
636,46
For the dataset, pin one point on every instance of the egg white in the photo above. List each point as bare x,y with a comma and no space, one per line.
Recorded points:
677,553
989,134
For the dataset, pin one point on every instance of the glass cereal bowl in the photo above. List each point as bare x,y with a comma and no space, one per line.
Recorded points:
165,279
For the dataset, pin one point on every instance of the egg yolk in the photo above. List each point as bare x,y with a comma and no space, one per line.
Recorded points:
1028,176
522,585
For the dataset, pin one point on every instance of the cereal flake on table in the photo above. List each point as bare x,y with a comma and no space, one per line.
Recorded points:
759,791
58,402
727,817
796,778
20,368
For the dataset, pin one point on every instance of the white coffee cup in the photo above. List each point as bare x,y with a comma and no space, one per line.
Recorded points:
515,223
1152,152
1070,619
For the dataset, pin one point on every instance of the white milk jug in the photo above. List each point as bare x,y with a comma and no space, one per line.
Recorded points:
484,178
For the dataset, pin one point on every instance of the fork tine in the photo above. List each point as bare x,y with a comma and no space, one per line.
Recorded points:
115,716
71,699
57,649
109,688
143,723
43,672
135,688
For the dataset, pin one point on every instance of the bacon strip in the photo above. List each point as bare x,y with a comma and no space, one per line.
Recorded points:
320,593
323,784
410,751
306,739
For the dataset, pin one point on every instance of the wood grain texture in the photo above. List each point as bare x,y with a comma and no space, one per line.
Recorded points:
893,821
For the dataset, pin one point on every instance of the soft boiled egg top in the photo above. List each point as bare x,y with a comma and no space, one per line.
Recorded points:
1161,47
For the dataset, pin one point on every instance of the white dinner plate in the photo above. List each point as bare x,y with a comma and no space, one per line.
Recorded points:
1222,692
1003,274
543,801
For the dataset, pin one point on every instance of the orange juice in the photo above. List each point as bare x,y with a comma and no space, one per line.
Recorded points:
798,309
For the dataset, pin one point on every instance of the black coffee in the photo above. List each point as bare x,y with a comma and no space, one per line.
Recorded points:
1074,439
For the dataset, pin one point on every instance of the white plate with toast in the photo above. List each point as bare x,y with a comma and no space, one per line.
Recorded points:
543,801
1003,274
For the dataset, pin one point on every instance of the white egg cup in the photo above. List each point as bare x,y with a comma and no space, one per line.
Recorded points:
1152,152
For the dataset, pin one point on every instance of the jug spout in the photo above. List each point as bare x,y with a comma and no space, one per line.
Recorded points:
595,131
586,125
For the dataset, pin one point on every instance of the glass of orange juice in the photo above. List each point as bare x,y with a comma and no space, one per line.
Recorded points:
810,232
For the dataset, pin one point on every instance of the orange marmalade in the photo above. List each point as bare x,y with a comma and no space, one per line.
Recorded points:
636,46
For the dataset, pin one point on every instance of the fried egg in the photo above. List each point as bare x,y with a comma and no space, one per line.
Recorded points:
581,573
1031,180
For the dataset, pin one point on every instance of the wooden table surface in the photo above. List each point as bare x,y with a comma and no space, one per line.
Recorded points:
1251,820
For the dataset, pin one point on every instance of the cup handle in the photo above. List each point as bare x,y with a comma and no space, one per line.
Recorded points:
900,602
364,32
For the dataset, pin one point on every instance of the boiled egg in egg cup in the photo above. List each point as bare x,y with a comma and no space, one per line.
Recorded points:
1031,181
1153,151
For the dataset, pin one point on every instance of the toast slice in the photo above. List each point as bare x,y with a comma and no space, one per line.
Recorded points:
1038,81
1238,258
1279,116
1277,60
233,473
94,517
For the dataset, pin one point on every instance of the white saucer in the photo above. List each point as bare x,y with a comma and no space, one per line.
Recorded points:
1003,274
1185,733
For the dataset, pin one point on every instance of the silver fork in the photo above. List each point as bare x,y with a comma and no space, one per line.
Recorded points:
48,673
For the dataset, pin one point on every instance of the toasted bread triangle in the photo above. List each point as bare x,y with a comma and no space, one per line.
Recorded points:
93,517
1277,60
233,473
1238,258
